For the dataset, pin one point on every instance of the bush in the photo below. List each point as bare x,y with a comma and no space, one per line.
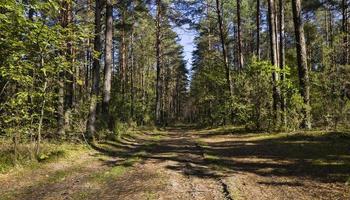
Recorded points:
120,128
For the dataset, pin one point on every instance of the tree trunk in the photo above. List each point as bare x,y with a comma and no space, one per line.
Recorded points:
345,31
132,71
96,73
108,59
258,29
60,108
123,57
282,59
274,58
303,71
62,99
158,51
239,37
223,46
69,92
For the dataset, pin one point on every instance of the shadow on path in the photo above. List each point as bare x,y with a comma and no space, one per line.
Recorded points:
324,159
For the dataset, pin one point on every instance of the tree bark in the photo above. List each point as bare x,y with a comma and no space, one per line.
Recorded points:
274,58
123,57
63,92
132,71
303,71
258,29
282,58
108,59
91,129
223,46
70,83
158,52
345,31
239,36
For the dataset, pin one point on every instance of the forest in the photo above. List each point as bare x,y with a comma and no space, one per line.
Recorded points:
101,99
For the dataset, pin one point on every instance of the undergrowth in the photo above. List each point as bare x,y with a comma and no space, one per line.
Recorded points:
50,152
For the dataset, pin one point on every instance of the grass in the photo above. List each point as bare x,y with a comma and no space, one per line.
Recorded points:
110,174
211,158
150,195
82,195
50,152
303,135
57,176
156,137
319,154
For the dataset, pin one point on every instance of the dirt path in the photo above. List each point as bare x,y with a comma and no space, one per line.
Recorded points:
179,164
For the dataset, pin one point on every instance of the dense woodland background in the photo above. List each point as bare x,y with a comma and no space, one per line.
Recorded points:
88,70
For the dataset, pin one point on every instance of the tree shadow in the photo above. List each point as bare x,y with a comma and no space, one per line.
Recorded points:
325,158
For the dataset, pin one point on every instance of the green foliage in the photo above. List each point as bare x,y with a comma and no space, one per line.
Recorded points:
51,155
32,42
120,129
50,152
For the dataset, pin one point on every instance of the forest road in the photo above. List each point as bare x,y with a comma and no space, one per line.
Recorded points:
177,163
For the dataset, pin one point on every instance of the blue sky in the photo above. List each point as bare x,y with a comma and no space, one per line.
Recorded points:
186,40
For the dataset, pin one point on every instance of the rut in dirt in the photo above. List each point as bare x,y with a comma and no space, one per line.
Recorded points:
185,163
242,167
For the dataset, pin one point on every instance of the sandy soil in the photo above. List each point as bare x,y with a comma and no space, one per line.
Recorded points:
180,164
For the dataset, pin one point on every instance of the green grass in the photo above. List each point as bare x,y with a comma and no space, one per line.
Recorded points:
58,176
348,182
212,158
156,137
110,174
303,135
82,195
50,152
317,153
150,195
141,154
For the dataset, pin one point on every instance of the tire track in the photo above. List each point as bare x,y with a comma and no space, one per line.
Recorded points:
225,188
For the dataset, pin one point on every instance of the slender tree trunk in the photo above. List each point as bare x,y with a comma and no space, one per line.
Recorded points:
345,31
123,57
239,36
91,129
60,108
223,46
38,141
87,68
132,71
69,95
275,9
282,59
274,58
209,25
302,62
64,21
258,29
108,59
158,52
326,26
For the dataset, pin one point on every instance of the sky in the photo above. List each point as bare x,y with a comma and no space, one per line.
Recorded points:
187,41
